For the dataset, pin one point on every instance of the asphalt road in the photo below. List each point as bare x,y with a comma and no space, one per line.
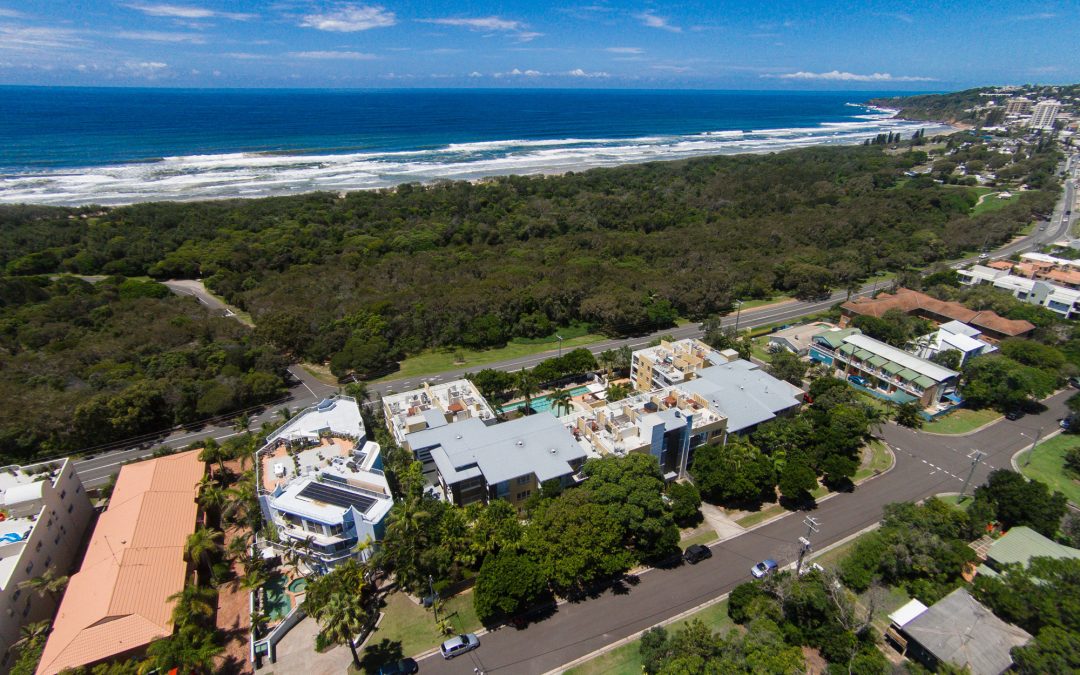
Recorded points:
926,464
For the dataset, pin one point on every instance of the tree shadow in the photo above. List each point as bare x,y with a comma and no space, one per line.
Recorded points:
379,654
803,502
843,484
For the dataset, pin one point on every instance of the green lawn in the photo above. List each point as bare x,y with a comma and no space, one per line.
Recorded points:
962,421
760,349
699,538
626,660
954,500
1048,465
413,627
992,204
833,556
432,362
879,459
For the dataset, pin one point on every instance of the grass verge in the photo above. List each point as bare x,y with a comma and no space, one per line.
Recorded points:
626,660
413,626
775,509
705,537
432,362
876,459
1048,465
961,421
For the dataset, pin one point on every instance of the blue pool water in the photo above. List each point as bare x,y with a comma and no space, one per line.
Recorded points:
542,403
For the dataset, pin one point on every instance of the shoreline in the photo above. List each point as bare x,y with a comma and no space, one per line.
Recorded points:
230,176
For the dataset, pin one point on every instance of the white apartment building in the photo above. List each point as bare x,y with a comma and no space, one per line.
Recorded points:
321,483
670,363
433,406
1058,299
1044,113
1018,106
45,516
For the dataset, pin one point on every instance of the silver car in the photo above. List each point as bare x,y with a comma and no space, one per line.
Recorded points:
459,645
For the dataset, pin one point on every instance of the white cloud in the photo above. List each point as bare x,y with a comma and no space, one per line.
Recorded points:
33,39
475,74
578,72
329,55
625,50
653,21
841,76
245,56
899,16
158,36
10,13
148,69
186,12
519,73
1039,16
480,23
351,19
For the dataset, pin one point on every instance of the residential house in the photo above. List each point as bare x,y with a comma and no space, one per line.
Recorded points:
953,336
321,484
118,602
891,373
1017,547
798,339
1058,299
476,462
670,363
44,516
957,630
994,327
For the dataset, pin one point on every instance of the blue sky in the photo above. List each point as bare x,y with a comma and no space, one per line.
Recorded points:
544,43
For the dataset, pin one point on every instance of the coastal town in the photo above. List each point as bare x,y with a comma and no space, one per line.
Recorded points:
858,472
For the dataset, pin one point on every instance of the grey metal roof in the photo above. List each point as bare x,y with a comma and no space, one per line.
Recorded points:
959,630
743,393
538,444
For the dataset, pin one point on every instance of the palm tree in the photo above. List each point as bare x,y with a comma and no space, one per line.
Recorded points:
49,584
608,358
193,605
341,603
201,544
31,633
561,400
285,414
527,386
190,651
213,453
259,619
358,390
242,422
213,498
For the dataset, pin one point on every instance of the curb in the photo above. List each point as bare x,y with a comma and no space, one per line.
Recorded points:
1016,465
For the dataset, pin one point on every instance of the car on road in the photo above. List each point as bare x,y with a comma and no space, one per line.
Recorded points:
458,645
763,568
984,255
400,667
1014,414
696,553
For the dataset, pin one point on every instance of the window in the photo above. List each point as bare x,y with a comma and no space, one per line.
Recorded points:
56,540
63,493
30,567
38,547
523,495
78,489
48,561
71,507
15,595
524,480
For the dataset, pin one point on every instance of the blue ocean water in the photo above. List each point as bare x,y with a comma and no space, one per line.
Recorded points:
111,145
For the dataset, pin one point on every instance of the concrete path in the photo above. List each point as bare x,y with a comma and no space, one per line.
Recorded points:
296,654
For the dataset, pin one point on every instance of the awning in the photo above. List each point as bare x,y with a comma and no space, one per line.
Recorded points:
846,348
954,397
878,361
924,381
863,354
892,368
907,374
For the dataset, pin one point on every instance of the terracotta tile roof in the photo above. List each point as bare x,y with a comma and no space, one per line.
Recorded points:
1064,277
1000,265
117,602
908,301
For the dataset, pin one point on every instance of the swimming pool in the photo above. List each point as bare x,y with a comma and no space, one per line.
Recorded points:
298,585
278,602
542,403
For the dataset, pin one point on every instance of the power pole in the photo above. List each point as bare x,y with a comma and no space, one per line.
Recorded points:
976,457
738,310
1027,460
804,542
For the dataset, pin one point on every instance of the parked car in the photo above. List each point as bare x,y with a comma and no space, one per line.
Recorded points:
1074,382
1014,414
855,379
401,667
456,646
763,568
696,553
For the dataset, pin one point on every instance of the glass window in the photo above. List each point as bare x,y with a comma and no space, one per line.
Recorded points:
524,480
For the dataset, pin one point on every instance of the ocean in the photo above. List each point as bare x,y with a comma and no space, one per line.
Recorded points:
72,146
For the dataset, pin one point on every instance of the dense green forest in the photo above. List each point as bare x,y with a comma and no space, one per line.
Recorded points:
82,363
368,277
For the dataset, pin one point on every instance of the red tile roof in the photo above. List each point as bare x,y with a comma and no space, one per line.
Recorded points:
908,301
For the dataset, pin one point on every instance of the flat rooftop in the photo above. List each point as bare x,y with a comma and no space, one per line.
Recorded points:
434,405
339,416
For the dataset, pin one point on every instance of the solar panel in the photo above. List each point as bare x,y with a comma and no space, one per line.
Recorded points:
331,495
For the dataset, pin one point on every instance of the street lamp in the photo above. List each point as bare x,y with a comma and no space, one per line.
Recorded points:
1031,450
738,310
560,339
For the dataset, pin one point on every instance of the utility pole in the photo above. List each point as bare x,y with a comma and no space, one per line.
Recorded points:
560,339
976,457
804,542
738,310
1027,460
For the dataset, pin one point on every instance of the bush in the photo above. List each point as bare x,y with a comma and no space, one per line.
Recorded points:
685,504
508,583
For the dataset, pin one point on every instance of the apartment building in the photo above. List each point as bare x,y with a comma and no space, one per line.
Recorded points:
1044,113
476,462
993,326
321,483
670,363
1019,106
118,602
1058,299
44,513
433,406
953,336
890,373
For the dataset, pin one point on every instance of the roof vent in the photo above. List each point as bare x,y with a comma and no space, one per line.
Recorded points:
521,444
554,451
458,436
